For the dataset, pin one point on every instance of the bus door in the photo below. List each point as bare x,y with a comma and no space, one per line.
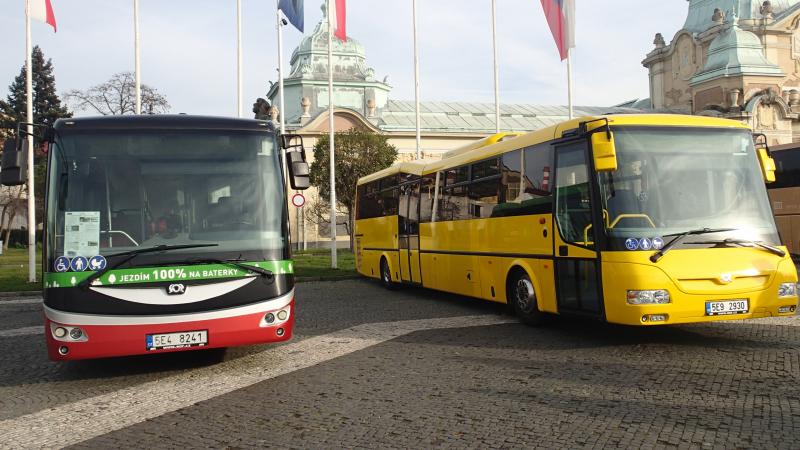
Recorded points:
408,238
577,262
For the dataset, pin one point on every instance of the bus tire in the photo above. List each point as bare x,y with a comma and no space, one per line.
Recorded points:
386,276
521,294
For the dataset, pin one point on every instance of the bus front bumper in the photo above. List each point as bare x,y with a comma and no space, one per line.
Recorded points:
109,336
690,307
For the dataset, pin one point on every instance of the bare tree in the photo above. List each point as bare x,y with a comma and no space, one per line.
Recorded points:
117,96
13,202
318,213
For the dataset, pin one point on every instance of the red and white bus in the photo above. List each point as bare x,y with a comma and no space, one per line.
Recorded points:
164,233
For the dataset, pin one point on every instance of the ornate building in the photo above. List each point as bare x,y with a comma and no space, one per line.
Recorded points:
738,59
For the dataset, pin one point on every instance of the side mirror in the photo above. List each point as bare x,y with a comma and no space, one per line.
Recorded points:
15,162
604,151
299,177
291,141
767,165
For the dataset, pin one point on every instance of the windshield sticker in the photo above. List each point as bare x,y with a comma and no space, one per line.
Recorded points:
61,264
631,244
97,262
79,264
81,234
645,244
658,243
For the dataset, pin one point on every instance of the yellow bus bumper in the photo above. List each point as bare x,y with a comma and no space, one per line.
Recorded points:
688,297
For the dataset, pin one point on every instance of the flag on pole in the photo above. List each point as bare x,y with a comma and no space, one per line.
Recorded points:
561,18
293,10
42,10
338,14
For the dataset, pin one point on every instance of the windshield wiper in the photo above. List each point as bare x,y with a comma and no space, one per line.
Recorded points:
745,243
234,262
129,255
679,236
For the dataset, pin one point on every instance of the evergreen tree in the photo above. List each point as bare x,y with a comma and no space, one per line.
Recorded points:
47,109
46,103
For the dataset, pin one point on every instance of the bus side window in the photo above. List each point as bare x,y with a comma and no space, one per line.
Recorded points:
426,198
484,190
526,187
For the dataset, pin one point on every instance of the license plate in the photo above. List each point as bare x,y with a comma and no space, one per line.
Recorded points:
724,307
177,340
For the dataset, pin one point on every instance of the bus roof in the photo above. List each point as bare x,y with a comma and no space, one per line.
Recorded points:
414,168
555,131
161,122
502,142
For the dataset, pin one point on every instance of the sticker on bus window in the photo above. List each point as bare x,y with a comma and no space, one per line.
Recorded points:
631,244
81,233
61,264
658,243
79,264
645,244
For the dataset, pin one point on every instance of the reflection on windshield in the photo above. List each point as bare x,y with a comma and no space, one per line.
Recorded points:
673,180
117,192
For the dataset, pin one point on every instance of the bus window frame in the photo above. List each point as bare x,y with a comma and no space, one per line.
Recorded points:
594,187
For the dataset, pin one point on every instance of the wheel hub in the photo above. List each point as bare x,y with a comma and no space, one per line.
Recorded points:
525,295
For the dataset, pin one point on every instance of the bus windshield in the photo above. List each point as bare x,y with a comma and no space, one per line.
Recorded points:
112,192
673,180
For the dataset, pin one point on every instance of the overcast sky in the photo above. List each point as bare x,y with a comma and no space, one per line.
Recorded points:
189,47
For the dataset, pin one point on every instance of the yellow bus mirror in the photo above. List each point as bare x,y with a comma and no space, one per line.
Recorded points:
767,165
604,151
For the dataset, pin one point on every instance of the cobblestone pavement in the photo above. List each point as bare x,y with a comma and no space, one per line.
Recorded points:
415,368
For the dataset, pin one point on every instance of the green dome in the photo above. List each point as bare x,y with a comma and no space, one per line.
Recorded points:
735,52
700,11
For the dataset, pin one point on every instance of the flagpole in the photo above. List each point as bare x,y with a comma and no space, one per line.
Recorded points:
331,137
29,129
239,58
569,82
416,83
280,71
137,58
496,69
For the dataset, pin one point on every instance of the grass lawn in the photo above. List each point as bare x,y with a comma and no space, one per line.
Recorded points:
14,271
311,263
317,263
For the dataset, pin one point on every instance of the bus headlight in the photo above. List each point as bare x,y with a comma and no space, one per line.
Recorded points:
650,297
787,290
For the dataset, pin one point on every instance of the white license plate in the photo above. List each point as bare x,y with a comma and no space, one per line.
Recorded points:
724,307
177,340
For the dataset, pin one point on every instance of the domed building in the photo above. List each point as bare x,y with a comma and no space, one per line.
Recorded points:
738,59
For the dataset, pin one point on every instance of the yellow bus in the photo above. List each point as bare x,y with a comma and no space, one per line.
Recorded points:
632,219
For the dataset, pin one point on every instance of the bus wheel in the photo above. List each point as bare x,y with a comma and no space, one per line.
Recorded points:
522,297
386,275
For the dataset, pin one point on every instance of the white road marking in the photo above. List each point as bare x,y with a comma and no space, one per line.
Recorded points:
39,329
56,427
21,301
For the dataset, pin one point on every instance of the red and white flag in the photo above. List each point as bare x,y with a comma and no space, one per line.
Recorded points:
42,10
561,19
338,13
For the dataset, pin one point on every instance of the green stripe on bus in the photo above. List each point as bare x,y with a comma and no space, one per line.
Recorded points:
168,273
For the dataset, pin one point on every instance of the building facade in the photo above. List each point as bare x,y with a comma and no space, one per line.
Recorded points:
738,59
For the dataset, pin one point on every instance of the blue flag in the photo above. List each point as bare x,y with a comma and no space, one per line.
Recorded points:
293,10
